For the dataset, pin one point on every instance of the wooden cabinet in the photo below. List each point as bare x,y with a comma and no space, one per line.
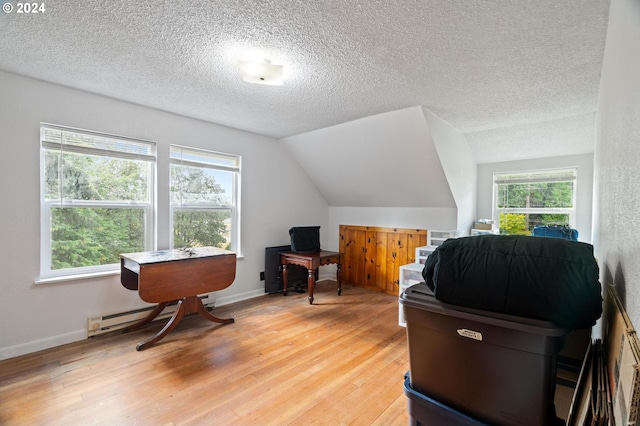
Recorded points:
372,256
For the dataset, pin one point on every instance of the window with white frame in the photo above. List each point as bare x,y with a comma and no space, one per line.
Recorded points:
97,197
523,200
205,198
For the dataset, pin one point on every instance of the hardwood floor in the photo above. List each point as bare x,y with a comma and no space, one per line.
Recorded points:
283,362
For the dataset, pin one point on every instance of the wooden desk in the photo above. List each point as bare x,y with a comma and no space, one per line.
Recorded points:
176,276
311,261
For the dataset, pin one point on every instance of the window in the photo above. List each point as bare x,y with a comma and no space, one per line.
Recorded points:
527,199
97,199
205,201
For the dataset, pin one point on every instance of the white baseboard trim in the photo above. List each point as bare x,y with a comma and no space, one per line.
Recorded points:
41,344
75,336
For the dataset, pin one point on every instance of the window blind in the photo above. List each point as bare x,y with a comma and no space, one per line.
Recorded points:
87,142
192,157
564,175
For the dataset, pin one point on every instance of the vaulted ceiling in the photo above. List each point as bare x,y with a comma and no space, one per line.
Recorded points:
516,78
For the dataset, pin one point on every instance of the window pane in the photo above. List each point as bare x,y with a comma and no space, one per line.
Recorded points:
535,195
198,228
204,196
51,175
98,178
528,199
547,219
194,185
514,224
94,236
97,199
88,177
523,224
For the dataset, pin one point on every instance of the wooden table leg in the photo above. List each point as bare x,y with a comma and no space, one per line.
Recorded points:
186,305
208,315
285,279
156,311
311,281
339,279
175,319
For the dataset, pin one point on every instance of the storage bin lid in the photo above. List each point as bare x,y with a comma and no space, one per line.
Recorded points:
419,296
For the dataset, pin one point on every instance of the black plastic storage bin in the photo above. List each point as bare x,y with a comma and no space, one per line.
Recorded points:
425,411
493,367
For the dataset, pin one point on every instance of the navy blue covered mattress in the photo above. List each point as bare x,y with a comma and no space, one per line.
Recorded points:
535,277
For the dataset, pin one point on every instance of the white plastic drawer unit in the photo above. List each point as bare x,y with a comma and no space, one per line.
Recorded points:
423,252
435,238
410,274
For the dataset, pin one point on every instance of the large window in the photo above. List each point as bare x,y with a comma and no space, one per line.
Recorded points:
524,200
205,188
97,199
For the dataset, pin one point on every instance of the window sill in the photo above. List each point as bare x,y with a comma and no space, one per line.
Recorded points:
66,278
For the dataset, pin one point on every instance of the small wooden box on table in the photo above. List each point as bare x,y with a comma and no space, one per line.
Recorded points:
178,276
311,261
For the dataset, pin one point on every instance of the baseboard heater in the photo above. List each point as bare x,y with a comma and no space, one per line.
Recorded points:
111,322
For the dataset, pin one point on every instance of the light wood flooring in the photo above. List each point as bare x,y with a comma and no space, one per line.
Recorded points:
283,362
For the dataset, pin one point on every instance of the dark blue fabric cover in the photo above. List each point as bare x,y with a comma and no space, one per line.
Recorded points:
546,278
555,232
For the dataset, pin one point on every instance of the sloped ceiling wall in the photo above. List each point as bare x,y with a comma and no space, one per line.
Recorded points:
386,160
459,166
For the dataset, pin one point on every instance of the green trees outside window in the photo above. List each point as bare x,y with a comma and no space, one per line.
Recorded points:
204,190
96,199
84,231
198,218
527,200
199,228
94,236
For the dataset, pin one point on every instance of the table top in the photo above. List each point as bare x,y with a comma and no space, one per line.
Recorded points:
146,257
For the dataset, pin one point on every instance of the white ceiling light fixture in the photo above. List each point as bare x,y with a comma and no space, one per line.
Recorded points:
262,72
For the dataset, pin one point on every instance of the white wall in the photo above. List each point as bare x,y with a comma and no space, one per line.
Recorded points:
276,195
459,166
617,157
584,185
386,160
382,170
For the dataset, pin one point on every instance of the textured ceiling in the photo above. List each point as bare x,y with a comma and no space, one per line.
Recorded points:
509,74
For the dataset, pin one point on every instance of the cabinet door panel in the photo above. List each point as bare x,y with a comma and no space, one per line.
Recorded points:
352,246
377,251
414,241
397,247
